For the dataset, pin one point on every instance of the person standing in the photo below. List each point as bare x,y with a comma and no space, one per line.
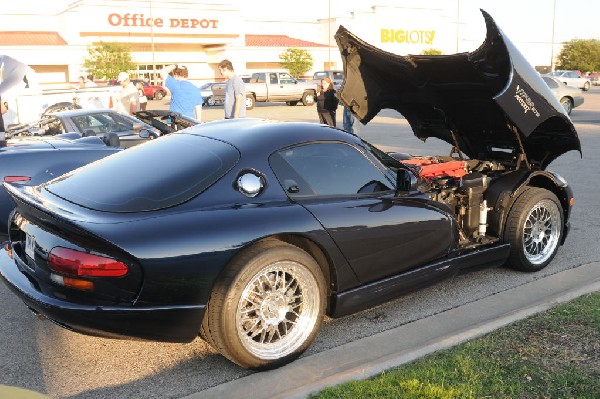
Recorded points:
128,101
235,92
185,96
143,99
89,81
327,102
350,122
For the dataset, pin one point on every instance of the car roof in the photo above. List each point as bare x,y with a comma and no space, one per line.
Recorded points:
251,135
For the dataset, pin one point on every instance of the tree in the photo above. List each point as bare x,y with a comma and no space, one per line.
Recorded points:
431,51
296,61
107,59
580,54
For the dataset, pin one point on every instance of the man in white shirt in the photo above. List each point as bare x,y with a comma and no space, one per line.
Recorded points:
128,101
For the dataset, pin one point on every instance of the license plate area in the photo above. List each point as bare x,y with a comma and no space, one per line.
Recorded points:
30,246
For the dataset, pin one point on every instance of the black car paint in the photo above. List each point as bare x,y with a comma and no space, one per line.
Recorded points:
200,231
43,161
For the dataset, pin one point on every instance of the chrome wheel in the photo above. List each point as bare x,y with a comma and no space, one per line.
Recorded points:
278,310
541,232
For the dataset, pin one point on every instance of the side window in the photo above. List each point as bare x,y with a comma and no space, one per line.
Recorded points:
319,169
286,78
273,78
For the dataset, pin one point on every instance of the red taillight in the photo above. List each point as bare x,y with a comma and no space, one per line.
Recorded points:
15,179
77,263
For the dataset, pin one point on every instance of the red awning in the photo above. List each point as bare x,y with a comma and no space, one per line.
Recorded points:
278,41
31,38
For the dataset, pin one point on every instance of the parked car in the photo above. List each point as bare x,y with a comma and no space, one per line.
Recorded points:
248,232
571,78
40,152
595,78
207,94
104,123
569,96
272,86
337,77
153,92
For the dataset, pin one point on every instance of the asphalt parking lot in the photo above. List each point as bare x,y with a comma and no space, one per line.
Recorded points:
37,355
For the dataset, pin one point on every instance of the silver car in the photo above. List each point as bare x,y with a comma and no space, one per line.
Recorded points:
571,78
207,94
569,96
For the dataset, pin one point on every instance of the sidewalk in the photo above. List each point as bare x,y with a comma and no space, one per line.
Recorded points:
370,356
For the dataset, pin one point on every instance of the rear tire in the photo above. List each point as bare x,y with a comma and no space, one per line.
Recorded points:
308,98
534,229
267,307
250,101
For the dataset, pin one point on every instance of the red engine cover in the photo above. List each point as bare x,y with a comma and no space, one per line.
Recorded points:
430,168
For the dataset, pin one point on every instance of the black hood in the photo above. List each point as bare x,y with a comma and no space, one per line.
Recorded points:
486,101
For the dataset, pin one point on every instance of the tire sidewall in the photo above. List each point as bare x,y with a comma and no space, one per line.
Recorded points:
515,224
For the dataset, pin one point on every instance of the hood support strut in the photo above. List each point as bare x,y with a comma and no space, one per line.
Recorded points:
455,148
522,157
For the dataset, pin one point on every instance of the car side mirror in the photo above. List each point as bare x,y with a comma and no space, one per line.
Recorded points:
405,181
141,130
137,127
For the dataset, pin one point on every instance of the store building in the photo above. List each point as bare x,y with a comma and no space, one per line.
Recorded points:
200,35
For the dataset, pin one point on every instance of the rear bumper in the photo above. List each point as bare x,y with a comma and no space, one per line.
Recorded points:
157,323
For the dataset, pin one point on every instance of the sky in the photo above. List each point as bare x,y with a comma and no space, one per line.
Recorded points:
524,21
574,19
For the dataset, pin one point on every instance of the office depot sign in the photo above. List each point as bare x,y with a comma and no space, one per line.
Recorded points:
140,20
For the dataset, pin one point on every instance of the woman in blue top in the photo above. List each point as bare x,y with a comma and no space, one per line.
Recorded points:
185,96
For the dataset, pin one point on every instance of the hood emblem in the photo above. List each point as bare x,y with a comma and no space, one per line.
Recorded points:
525,101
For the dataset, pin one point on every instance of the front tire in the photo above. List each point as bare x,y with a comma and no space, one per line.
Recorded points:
267,307
586,86
159,95
567,105
534,229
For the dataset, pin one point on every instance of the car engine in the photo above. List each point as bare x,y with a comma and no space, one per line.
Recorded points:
460,184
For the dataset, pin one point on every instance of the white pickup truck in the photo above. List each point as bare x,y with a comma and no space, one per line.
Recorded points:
272,87
27,101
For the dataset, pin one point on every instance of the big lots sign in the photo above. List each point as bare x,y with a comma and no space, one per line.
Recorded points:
139,20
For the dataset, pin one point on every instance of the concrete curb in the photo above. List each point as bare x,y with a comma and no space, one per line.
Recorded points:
370,356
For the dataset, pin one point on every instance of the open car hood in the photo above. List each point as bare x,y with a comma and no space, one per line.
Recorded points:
490,103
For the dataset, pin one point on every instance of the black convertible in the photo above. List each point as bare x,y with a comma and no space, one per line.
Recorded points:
247,232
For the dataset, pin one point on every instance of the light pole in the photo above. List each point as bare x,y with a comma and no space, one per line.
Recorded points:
153,73
457,22
552,42
329,35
